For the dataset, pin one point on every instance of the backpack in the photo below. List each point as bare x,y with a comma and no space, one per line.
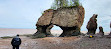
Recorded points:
16,41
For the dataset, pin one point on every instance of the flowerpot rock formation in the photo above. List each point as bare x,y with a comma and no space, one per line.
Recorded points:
69,19
92,24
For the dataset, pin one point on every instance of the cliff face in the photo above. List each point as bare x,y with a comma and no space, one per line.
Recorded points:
69,19
46,18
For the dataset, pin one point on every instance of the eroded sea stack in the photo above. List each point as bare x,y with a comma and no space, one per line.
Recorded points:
92,25
69,19
101,32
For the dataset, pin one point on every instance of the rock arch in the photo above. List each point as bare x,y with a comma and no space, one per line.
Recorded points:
56,31
69,19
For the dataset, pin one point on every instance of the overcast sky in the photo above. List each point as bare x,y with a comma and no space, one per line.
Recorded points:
100,7
21,13
25,13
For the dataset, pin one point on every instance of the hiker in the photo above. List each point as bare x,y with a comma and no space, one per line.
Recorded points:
16,41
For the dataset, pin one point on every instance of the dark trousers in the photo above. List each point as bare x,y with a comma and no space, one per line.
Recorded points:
15,47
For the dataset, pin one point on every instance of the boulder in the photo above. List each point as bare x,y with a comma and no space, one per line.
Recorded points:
69,19
92,24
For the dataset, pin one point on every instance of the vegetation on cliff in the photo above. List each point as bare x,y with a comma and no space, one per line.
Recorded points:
64,3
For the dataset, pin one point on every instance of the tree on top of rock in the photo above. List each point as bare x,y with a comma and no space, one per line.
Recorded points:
64,3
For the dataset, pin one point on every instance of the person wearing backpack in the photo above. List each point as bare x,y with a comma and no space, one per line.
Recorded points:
16,41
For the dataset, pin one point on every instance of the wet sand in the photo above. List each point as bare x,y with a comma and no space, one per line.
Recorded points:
13,32
59,43
75,42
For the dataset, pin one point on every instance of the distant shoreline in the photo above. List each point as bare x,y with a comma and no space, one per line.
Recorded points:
13,32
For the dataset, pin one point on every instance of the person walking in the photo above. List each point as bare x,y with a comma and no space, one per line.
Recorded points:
16,41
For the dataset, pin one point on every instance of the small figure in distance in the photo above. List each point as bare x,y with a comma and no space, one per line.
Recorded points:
16,41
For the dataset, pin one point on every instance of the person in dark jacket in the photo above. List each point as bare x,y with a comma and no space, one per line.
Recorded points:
16,41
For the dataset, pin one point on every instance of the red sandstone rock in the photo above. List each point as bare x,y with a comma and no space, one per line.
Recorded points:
46,18
69,19
92,24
